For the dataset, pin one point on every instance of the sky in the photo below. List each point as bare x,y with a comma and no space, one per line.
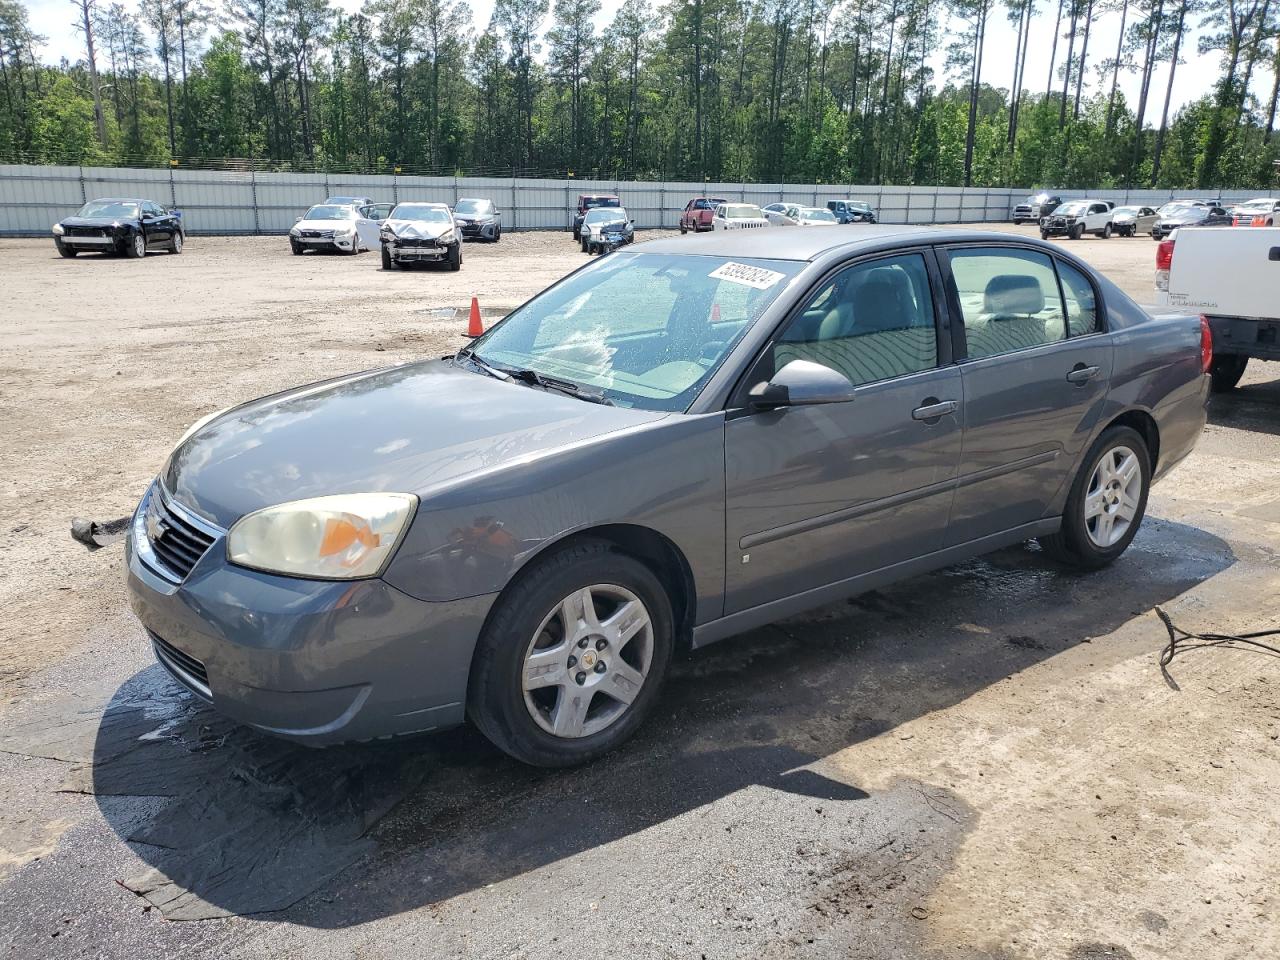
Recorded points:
1195,76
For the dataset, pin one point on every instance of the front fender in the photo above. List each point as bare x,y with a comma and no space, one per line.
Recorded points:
470,538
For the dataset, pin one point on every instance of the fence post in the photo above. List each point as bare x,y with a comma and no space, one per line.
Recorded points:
84,198
662,202
253,186
906,217
514,194
933,214
986,206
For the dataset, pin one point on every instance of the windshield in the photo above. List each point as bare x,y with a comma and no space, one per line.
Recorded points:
1257,206
1036,198
647,330
1071,209
1125,211
473,206
420,211
1187,213
614,215
742,211
109,208
826,216
329,212
345,200
589,202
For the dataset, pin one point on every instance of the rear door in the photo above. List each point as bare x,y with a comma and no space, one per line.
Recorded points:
819,494
1035,378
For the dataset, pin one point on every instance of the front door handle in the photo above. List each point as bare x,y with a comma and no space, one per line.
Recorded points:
933,409
1080,374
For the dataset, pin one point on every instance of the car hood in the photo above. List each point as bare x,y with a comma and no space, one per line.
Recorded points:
470,217
417,229
98,222
409,429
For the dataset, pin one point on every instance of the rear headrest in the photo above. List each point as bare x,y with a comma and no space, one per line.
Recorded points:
1013,295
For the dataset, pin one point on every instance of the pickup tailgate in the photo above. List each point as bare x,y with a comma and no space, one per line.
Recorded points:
1226,272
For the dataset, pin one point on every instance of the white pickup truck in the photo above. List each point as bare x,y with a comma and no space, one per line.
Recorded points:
1230,276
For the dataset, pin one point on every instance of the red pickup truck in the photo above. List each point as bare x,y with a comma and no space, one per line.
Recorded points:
698,213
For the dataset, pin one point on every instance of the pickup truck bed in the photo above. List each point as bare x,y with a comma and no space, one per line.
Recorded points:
1232,277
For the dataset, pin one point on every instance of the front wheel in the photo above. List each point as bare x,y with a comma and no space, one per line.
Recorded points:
1077,231
1225,371
64,250
296,247
136,246
455,256
388,261
571,661
1044,234
1106,232
1107,502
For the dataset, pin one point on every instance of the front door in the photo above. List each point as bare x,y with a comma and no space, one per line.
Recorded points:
819,494
1035,380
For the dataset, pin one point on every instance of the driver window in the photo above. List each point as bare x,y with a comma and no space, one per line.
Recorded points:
870,322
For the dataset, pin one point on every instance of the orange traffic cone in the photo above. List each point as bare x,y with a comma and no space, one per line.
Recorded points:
475,326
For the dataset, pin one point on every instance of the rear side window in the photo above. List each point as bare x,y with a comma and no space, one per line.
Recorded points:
1082,302
1008,299
873,321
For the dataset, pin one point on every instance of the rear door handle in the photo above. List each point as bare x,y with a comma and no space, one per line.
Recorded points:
934,409
1081,374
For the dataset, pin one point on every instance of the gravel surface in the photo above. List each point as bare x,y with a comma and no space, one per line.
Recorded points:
981,762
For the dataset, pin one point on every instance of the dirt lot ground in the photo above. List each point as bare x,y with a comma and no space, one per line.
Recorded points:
982,762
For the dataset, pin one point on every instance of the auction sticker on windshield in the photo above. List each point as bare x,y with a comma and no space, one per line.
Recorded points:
747,275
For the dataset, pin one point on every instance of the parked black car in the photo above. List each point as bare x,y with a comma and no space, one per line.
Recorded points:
1036,206
1189,215
852,211
126,227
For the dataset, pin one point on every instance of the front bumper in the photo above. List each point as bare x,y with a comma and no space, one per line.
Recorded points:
425,251
325,243
318,662
478,231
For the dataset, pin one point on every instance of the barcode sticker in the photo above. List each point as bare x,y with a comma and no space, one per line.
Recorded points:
747,275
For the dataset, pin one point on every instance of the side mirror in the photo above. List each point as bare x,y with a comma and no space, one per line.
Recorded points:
632,222
801,383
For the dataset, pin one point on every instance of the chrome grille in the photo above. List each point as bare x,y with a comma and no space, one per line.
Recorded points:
176,542
317,234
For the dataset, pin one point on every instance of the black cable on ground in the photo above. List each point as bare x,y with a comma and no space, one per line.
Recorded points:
1179,640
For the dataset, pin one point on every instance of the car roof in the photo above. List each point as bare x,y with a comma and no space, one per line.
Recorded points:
119,200
476,199
782,243
424,203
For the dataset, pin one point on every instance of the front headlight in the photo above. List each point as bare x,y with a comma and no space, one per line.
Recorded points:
446,237
57,230
344,537
295,232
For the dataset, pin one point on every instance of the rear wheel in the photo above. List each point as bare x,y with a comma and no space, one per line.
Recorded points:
1107,502
65,251
1226,370
571,660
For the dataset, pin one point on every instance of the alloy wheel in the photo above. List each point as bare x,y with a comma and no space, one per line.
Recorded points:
1113,496
588,661
139,245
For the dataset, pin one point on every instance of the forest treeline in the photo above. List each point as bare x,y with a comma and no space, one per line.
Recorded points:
737,90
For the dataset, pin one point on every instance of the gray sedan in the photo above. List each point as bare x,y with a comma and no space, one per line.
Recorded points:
670,446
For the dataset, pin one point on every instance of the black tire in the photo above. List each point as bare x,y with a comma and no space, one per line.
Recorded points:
1106,232
388,262
1076,232
65,251
175,244
455,257
586,247
296,247
683,231
135,246
1072,545
495,693
497,234
1044,234
1226,370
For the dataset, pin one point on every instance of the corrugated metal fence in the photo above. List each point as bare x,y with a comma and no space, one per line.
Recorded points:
246,202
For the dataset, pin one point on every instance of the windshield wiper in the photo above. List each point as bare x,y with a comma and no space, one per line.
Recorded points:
532,378
568,387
